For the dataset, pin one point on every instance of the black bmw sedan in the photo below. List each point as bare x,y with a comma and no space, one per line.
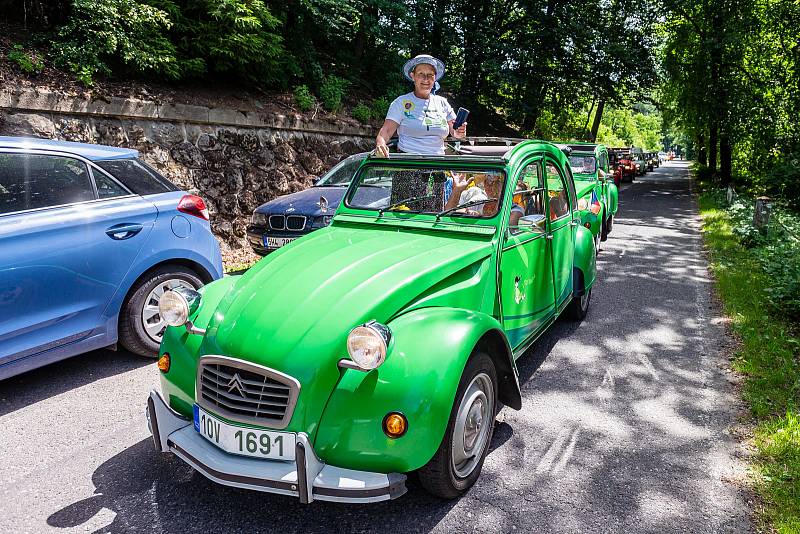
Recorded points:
286,218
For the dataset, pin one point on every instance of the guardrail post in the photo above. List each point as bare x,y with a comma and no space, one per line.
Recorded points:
761,214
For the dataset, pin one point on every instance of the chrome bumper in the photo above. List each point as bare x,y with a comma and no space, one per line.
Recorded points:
307,478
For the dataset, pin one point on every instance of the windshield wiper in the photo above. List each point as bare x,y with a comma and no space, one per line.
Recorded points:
464,205
401,202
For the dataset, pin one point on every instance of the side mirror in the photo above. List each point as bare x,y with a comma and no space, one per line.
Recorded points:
533,223
316,180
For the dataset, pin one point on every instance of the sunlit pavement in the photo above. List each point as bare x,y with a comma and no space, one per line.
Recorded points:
625,425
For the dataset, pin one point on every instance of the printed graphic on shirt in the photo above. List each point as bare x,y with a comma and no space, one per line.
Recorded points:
408,108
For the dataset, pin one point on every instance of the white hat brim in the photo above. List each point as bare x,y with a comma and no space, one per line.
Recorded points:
437,64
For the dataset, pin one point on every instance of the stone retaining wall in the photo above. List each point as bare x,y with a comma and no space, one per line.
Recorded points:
235,159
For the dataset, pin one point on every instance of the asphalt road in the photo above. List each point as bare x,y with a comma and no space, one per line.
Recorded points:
625,425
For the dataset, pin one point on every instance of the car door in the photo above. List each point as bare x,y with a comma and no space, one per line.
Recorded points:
562,230
68,236
526,276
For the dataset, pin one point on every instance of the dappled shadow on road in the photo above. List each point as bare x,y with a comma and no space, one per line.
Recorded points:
29,388
623,427
626,422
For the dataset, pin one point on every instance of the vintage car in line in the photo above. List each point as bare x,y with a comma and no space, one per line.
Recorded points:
384,343
284,219
624,162
595,188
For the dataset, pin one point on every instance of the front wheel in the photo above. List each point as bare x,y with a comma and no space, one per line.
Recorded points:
140,324
457,463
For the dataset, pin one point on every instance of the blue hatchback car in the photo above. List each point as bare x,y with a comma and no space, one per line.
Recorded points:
90,238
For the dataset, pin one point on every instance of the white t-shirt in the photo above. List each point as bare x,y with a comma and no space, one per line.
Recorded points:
422,124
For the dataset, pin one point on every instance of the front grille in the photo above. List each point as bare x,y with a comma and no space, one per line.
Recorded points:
277,222
295,222
287,222
246,392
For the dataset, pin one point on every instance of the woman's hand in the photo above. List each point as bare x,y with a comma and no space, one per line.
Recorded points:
381,150
461,133
460,182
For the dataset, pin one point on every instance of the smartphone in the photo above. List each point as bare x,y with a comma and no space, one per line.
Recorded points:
461,117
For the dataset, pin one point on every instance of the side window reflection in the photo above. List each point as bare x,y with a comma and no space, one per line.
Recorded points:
557,195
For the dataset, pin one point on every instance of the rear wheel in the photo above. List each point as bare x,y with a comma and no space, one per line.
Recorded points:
140,324
579,306
608,223
457,463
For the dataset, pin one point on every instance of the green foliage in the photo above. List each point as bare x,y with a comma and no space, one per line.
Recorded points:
766,357
362,113
28,63
380,107
332,92
303,98
103,34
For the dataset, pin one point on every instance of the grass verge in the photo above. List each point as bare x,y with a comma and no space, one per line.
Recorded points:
768,359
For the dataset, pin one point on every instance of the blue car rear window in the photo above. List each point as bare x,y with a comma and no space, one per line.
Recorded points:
137,176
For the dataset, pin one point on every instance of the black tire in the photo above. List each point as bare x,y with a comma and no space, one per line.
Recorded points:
608,223
579,306
439,476
132,333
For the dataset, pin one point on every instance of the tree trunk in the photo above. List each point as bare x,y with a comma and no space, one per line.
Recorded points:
725,159
712,148
597,118
702,152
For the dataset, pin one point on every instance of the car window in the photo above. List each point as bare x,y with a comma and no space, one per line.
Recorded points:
427,190
582,164
106,186
532,201
342,172
31,181
557,194
137,176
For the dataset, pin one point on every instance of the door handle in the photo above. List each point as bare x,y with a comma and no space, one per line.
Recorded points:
118,232
573,223
549,237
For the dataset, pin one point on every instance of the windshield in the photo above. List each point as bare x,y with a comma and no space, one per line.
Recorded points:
583,164
428,190
342,172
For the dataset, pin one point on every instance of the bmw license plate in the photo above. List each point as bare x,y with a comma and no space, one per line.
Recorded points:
277,242
242,440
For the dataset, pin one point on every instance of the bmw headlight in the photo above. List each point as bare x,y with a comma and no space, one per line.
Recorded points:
367,344
259,219
176,305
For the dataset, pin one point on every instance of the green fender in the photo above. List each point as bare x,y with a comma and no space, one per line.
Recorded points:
613,197
585,262
177,385
427,354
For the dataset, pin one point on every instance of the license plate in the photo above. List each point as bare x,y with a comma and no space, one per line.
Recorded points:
242,440
277,242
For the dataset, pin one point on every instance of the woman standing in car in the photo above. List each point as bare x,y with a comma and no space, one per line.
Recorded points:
421,118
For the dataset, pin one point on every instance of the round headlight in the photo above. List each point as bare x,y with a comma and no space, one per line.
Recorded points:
583,204
173,308
367,345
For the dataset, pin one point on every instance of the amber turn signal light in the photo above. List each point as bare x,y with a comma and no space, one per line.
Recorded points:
395,424
163,362
588,225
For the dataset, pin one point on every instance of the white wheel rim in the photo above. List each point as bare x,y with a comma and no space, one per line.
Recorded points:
152,322
473,424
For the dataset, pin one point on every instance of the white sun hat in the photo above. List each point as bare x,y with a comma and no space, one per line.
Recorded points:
424,59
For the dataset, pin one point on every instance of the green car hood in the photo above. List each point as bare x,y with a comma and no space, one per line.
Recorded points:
293,311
